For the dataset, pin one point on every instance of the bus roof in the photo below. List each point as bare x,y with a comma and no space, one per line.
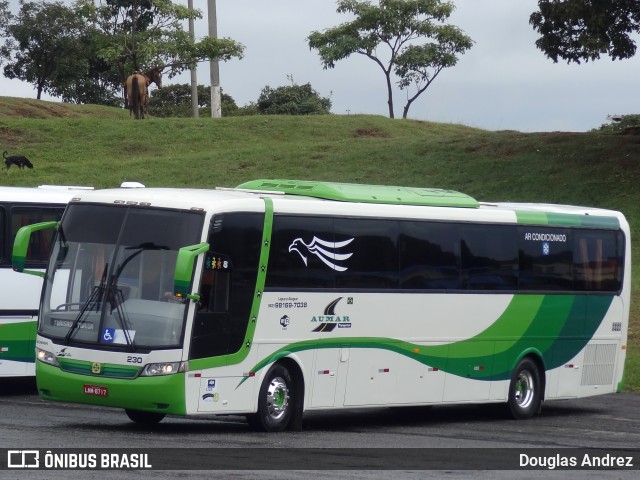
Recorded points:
349,192
178,198
43,194
349,203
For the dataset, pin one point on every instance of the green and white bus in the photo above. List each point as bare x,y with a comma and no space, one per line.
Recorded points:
20,296
281,297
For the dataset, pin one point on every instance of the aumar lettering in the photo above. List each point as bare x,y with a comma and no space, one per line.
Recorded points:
330,319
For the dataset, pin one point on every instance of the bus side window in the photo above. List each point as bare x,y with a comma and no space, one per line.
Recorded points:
598,261
291,262
214,291
3,239
489,257
546,258
374,253
429,255
41,241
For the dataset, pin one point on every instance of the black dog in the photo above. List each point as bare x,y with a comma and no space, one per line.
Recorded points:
19,160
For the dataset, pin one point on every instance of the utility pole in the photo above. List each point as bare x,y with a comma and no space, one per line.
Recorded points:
216,107
194,71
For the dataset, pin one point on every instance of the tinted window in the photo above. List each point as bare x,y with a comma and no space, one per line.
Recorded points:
429,255
373,250
228,284
302,250
153,226
546,257
489,257
3,236
312,252
85,223
41,241
598,260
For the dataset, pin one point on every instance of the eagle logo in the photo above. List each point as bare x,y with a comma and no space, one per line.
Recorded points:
325,251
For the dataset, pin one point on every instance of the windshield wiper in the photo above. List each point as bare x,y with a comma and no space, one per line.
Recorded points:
95,298
116,302
115,296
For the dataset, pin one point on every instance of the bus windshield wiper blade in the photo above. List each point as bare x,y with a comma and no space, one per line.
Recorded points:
116,299
95,298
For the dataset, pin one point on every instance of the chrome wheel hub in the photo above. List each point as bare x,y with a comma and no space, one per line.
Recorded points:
277,398
524,389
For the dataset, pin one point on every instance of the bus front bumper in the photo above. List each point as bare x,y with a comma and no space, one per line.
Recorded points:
161,394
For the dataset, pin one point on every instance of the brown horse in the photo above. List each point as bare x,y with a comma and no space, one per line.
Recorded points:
137,90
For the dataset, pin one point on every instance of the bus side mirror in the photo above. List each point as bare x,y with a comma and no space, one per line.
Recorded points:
184,269
21,246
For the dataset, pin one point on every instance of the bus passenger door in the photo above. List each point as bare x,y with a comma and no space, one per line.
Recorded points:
212,322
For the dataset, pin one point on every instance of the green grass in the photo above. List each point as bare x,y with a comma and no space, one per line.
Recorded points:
100,146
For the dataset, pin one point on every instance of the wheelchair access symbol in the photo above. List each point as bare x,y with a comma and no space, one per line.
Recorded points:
108,335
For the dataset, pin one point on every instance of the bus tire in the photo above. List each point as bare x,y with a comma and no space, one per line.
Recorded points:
276,401
144,418
525,390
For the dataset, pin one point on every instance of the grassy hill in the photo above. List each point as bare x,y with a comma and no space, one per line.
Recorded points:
101,146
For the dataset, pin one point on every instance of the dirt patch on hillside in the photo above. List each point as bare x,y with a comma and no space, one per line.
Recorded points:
14,107
369,133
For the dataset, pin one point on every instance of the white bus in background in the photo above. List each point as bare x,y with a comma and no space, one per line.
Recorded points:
20,294
281,297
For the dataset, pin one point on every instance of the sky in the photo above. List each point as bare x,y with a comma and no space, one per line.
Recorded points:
502,83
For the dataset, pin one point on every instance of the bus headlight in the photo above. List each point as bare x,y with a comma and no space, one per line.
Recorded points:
47,357
155,369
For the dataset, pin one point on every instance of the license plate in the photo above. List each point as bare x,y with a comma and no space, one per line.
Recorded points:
96,391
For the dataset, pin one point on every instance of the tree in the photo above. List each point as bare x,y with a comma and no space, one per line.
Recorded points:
577,30
5,20
175,101
96,83
84,53
292,99
139,34
396,25
43,45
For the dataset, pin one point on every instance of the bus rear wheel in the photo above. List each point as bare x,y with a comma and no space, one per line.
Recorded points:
276,401
525,390
145,418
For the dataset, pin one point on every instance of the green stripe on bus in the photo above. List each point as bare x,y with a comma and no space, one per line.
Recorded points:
567,220
535,218
556,327
17,341
611,223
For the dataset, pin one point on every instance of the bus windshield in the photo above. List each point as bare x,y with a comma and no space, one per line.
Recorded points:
110,278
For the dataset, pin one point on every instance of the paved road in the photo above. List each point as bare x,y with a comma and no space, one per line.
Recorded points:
604,422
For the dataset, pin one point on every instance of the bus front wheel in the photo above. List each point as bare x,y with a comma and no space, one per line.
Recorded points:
275,401
145,418
525,390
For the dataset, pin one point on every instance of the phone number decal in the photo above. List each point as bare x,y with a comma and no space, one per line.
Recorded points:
288,305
